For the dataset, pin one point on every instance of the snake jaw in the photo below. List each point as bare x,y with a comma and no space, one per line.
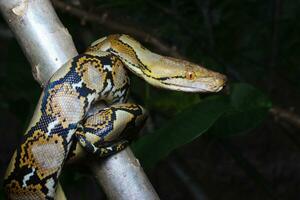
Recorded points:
203,85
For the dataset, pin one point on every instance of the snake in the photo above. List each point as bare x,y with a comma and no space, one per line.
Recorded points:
100,74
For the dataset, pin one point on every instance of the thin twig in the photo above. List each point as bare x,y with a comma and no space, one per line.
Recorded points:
186,176
283,114
112,25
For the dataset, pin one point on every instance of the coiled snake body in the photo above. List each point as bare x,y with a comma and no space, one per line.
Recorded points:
96,75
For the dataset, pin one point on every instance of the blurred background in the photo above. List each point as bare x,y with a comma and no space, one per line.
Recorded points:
242,143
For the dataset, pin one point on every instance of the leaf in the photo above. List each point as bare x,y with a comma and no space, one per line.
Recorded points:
171,101
180,130
248,108
220,116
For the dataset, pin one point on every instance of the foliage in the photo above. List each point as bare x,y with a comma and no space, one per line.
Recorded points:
247,108
243,109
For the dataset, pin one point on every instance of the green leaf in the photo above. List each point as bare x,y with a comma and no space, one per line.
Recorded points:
171,101
237,113
248,108
180,130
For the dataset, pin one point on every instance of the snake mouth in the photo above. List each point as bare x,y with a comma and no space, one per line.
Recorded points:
204,84
194,89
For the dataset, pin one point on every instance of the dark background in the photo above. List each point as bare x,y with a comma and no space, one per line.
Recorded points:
247,150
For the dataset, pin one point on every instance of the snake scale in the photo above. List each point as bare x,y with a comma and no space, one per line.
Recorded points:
97,75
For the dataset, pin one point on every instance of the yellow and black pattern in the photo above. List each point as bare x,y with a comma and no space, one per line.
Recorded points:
39,159
105,132
95,76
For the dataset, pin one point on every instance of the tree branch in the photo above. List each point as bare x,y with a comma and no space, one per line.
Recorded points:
112,25
286,115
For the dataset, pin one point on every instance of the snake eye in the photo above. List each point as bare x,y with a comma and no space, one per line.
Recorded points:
190,75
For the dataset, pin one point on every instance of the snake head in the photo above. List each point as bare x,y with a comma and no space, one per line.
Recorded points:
181,75
160,71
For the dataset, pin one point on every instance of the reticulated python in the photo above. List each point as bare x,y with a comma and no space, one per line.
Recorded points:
96,75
